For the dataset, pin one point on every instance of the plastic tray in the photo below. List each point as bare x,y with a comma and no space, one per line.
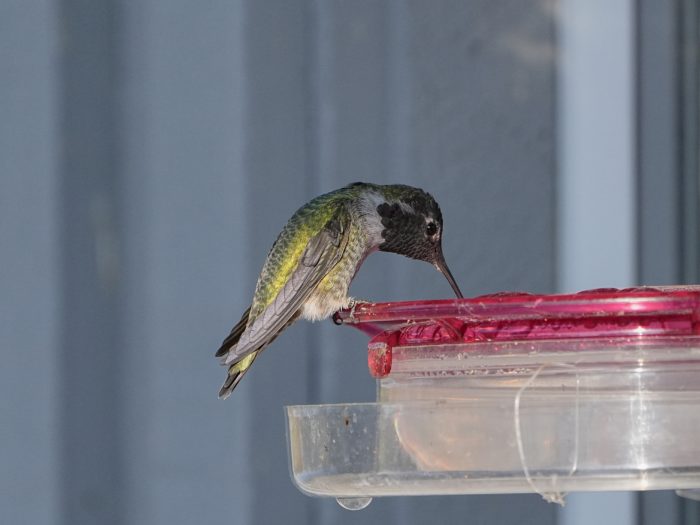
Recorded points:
514,393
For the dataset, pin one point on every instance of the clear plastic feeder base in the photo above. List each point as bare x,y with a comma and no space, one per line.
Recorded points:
613,408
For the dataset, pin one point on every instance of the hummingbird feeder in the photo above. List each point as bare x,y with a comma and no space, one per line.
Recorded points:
513,393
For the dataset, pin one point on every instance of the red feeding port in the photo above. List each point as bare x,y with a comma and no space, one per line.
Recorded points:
513,316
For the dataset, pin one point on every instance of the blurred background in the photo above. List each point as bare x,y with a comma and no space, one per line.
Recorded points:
150,151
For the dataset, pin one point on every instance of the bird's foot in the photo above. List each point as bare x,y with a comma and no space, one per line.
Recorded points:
352,304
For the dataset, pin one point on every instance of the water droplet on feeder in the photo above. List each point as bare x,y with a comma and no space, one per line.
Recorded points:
354,503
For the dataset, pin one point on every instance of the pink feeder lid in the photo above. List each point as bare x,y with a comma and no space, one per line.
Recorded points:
516,316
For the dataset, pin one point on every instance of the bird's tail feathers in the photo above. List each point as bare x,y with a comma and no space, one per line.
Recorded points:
235,373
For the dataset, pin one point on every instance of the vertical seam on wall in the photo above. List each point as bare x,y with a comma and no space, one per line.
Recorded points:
554,200
398,152
638,139
688,22
312,179
103,301
244,202
680,175
312,161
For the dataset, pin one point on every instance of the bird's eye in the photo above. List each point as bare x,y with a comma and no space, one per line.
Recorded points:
430,229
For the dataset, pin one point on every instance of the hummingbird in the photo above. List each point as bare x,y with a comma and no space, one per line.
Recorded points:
309,268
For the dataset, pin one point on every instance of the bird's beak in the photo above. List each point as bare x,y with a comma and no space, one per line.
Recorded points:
441,265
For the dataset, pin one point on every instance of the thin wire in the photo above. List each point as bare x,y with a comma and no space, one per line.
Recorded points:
552,497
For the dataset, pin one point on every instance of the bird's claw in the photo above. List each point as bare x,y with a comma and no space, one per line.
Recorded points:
352,304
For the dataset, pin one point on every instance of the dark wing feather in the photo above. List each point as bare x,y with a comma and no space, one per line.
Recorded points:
235,334
322,253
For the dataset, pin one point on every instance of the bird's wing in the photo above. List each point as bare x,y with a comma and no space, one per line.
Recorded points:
322,253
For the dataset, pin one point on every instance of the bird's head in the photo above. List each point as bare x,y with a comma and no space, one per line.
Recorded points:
412,226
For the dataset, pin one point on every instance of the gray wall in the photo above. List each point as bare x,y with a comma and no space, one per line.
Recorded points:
30,279
150,152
